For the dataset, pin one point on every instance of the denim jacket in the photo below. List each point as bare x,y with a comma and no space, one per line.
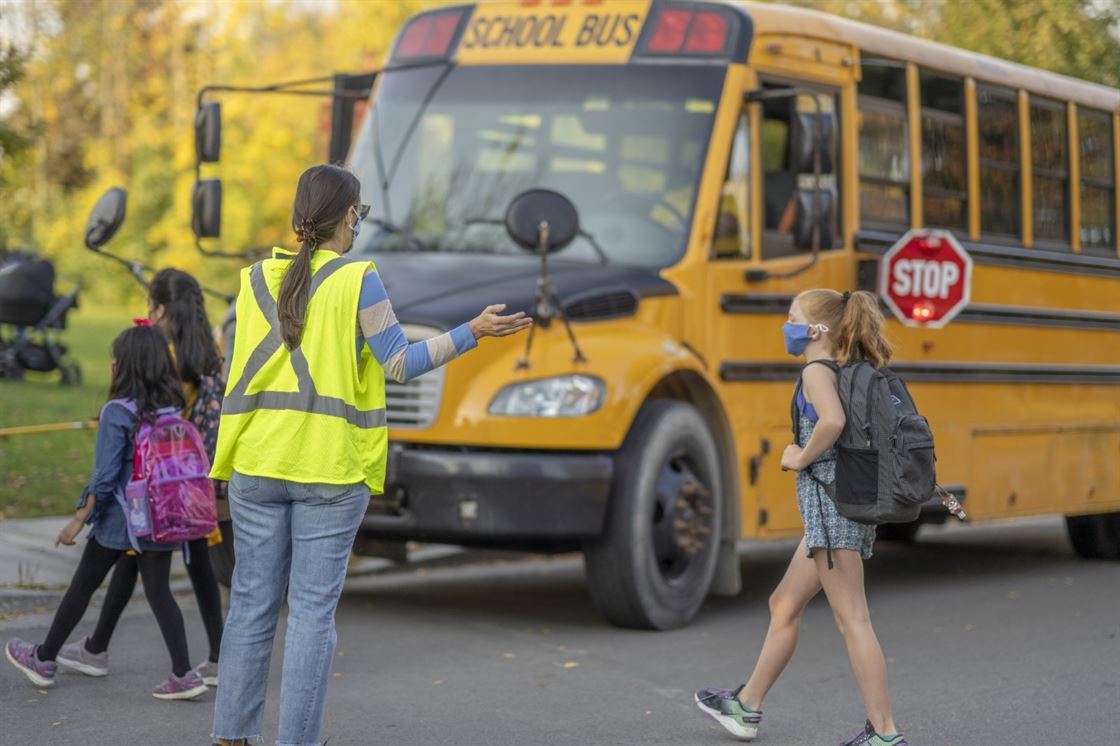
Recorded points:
112,468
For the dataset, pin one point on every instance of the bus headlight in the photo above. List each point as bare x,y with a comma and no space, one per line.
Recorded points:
562,396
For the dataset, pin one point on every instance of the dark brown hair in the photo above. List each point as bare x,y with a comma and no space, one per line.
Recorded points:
143,371
196,354
323,197
855,321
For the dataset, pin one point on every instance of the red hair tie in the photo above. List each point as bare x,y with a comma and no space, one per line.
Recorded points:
142,322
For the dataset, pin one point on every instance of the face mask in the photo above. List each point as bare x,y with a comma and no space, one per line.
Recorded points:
797,336
356,227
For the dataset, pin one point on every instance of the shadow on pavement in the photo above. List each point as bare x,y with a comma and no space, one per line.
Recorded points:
550,591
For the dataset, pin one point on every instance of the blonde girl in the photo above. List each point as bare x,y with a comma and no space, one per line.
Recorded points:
827,329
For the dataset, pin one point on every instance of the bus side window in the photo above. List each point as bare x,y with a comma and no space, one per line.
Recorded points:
944,194
1050,172
780,181
998,125
1098,182
884,145
731,238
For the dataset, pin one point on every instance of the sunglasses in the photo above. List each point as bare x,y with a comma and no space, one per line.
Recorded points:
362,211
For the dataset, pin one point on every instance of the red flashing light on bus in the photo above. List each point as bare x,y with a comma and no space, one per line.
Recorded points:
707,35
922,311
429,36
679,30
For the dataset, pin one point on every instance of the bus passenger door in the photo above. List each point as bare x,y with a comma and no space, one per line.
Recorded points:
755,229
735,338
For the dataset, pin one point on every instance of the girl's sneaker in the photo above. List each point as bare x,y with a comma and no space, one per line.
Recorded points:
76,657
724,706
25,657
868,737
208,670
188,686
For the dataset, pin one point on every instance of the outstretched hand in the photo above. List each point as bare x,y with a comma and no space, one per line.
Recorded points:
490,324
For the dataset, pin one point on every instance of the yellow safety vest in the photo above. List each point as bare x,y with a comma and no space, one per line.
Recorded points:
315,413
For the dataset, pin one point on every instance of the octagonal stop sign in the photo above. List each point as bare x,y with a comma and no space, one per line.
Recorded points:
926,278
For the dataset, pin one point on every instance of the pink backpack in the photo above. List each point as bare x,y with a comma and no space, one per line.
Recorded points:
170,498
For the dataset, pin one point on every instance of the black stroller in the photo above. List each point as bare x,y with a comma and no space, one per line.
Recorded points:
31,315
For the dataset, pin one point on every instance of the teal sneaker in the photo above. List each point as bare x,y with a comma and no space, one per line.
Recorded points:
724,706
868,737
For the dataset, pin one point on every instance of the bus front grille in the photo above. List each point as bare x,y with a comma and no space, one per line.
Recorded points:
415,404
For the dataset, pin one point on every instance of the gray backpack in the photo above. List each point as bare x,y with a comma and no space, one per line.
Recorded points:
884,458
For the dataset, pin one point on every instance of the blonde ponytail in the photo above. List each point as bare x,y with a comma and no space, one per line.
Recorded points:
855,323
860,333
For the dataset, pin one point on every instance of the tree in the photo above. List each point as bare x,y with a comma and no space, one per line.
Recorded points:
1074,37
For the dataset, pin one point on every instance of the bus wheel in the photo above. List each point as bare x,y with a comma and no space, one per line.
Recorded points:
1095,536
221,555
652,566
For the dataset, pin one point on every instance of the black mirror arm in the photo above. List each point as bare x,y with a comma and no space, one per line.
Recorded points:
291,88
135,268
249,254
761,275
224,297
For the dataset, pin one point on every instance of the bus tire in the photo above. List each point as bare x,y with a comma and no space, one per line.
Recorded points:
221,555
653,564
1095,536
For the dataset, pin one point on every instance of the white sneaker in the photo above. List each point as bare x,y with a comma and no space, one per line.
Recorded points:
75,656
208,670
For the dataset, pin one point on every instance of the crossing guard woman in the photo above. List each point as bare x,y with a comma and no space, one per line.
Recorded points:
303,443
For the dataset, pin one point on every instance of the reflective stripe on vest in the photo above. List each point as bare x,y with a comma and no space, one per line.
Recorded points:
305,398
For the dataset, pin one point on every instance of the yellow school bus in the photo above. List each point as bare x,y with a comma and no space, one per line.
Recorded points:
720,158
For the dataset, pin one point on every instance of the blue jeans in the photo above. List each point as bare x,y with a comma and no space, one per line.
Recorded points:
294,536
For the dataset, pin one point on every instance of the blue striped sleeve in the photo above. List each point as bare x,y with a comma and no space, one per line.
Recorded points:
403,361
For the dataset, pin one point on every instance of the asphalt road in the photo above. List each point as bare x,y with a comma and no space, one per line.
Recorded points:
994,635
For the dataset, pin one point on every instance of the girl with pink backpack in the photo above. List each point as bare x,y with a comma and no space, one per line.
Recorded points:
144,395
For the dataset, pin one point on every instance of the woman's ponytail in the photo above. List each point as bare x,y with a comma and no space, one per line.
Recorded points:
291,306
860,335
324,196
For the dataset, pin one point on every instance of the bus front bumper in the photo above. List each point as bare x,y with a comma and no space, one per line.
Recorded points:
480,496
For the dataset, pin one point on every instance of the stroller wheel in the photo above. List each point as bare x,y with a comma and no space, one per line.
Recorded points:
71,374
10,368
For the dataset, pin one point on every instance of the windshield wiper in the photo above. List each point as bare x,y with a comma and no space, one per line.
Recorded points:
391,227
581,233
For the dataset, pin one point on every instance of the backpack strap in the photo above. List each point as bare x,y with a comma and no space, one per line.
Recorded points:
830,364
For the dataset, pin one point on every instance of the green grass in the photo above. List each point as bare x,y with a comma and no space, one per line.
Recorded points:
43,474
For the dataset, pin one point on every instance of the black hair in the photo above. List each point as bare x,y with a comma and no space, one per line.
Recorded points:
143,371
323,197
196,354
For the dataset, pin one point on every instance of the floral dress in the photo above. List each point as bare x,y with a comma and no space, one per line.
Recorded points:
825,528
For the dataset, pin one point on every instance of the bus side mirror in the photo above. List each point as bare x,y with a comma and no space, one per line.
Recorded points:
106,218
542,221
208,132
808,213
806,135
206,208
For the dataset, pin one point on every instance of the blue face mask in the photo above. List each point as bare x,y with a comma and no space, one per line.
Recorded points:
797,336
357,227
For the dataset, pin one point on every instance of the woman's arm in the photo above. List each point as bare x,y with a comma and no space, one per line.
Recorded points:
403,361
820,389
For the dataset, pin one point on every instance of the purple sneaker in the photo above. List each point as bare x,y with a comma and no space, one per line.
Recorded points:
76,657
188,686
24,656
868,737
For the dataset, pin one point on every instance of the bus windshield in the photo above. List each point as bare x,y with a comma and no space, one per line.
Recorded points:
445,149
